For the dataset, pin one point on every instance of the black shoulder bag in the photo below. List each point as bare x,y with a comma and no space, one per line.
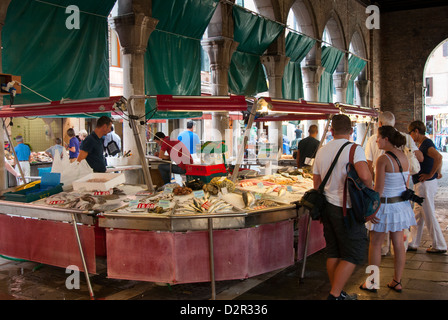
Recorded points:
314,200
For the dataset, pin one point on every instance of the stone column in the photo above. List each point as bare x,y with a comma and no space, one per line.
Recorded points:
133,27
275,67
219,50
363,88
340,80
3,174
311,79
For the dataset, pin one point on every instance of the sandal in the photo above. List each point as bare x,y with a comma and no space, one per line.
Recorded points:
363,287
434,250
395,286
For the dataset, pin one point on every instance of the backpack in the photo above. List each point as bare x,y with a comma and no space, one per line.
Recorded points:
365,201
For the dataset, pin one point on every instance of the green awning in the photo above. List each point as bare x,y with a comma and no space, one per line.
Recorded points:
355,66
254,34
53,60
173,56
330,60
296,48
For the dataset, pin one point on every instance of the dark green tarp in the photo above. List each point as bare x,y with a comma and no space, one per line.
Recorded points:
330,60
355,66
173,55
296,48
53,60
254,34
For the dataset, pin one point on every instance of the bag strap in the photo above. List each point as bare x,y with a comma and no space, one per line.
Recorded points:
350,161
399,164
327,176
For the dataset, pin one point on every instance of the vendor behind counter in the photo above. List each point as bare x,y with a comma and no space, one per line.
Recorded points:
92,148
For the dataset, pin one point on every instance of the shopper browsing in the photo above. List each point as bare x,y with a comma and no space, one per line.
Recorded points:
395,214
387,118
92,146
307,148
346,247
73,145
57,146
425,185
23,153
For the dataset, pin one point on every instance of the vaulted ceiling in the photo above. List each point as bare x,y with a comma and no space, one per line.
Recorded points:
400,5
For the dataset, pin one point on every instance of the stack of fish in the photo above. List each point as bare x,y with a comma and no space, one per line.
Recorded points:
206,205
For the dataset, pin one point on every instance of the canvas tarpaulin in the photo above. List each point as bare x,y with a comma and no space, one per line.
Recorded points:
53,60
296,48
254,34
330,60
173,55
355,66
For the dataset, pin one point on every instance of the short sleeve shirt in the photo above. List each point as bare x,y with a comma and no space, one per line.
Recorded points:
74,142
307,148
428,162
23,152
334,188
190,140
93,145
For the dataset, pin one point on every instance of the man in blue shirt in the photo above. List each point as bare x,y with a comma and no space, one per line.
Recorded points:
23,153
58,146
189,138
93,146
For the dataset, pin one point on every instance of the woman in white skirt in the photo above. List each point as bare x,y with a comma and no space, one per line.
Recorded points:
395,214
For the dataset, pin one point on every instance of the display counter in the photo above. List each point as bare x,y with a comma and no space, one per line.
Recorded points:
240,239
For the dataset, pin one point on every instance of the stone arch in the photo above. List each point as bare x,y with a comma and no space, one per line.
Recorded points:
336,31
358,44
306,20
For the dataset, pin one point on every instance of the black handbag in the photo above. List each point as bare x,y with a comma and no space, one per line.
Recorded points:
315,200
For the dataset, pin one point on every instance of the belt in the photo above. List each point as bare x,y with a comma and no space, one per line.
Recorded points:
392,200
23,161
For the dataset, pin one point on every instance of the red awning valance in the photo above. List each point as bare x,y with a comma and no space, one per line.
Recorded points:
201,103
301,106
63,107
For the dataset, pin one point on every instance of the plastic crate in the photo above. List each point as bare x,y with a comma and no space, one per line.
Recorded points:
43,170
205,170
206,179
32,194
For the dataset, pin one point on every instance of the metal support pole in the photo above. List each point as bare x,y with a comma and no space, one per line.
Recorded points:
14,151
212,258
81,252
302,276
244,144
138,142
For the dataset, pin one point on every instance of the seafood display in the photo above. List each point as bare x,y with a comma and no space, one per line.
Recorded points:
180,191
205,205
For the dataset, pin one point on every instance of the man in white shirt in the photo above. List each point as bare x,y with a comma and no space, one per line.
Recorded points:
112,136
387,118
346,246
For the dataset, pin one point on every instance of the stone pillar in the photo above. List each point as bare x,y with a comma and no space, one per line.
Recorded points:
363,88
275,67
340,80
133,26
219,50
3,173
311,79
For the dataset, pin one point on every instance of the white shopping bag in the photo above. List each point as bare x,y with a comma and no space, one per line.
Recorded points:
70,171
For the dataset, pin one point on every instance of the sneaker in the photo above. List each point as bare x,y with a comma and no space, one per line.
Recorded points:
347,296
343,296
